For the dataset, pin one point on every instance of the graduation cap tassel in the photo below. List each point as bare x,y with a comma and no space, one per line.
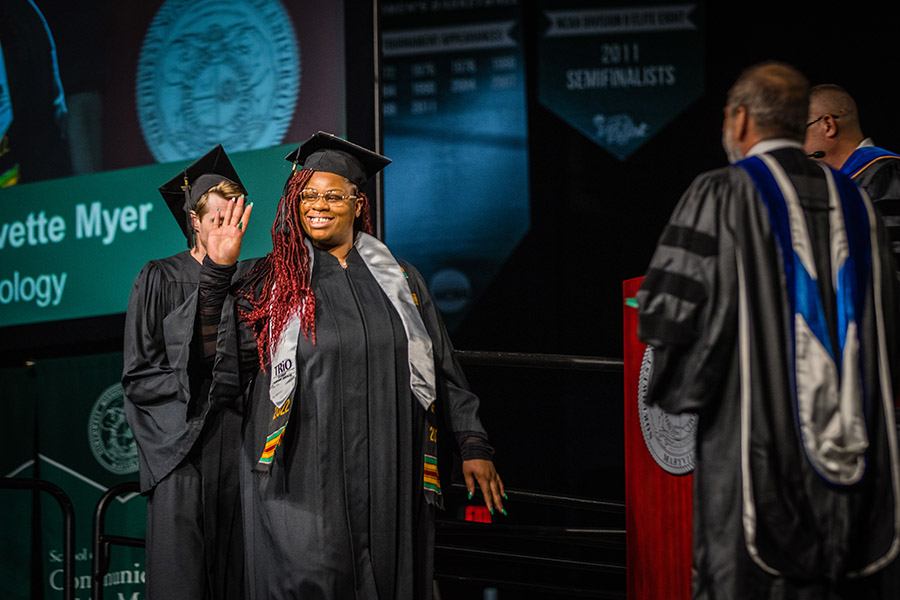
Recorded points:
192,239
206,172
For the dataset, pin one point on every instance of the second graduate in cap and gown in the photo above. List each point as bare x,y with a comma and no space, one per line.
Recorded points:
187,446
346,369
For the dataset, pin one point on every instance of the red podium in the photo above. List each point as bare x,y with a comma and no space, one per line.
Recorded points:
658,504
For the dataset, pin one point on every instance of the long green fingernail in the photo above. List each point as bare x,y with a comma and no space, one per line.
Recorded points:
503,510
492,511
470,495
505,497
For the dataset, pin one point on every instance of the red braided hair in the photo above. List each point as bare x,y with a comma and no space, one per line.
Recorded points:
279,286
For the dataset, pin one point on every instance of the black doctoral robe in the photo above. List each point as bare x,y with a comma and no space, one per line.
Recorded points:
342,512
766,525
187,448
881,180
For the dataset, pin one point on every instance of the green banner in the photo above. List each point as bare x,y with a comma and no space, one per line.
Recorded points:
71,247
620,73
65,424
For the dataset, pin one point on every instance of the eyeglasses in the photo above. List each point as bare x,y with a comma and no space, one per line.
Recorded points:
814,121
332,198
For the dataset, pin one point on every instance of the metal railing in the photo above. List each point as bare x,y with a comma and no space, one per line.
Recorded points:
540,361
68,516
501,549
102,542
605,538
493,552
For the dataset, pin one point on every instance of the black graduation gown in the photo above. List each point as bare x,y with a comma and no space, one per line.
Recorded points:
187,449
162,377
342,514
881,180
812,533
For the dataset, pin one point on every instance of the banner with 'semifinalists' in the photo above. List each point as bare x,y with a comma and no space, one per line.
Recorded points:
620,73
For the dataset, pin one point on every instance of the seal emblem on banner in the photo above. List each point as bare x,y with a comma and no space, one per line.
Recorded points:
217,71
111,440
451,289
669,438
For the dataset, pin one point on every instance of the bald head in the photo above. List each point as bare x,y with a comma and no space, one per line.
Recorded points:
776,98
834,100
834,124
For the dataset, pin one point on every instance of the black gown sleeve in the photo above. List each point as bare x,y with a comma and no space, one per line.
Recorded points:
158,337
890,295
147,376
214,282
881,182
684,311
459,404
228,344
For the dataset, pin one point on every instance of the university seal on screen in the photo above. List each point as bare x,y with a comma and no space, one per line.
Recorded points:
217,71
669,438
110,438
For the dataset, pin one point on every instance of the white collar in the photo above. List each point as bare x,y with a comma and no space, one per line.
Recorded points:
773,144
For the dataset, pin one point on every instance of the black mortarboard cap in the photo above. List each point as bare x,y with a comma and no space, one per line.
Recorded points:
327,152
183,191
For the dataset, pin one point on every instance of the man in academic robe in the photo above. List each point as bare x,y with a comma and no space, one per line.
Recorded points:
834,136
771,309
187,446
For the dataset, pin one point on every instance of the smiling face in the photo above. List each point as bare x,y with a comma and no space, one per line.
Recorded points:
329,226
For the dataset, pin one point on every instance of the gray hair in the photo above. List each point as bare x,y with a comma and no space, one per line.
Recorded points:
776,97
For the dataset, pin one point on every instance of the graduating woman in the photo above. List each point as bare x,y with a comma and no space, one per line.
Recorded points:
345,366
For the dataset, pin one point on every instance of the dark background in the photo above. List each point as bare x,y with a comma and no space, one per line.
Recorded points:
595,219
595,222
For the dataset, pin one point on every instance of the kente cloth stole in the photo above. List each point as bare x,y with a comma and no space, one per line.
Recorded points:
393,281
827,390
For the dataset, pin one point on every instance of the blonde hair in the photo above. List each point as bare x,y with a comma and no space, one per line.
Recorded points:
225,188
